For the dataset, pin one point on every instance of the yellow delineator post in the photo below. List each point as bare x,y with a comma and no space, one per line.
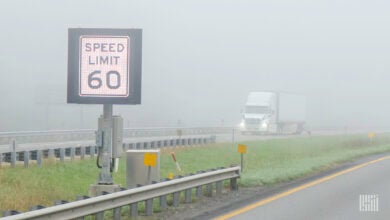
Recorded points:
150,161
241,149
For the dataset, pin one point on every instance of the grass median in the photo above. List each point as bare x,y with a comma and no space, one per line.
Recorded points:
266,162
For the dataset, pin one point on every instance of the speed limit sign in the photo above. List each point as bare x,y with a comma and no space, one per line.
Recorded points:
104,66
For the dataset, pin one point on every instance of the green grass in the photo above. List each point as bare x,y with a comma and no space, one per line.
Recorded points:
266,163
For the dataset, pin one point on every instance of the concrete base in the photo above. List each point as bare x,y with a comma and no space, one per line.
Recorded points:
97,190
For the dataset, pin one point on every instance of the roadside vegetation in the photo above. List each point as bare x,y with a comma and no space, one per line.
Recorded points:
266,162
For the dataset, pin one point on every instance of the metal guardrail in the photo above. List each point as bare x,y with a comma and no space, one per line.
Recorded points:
89,134
131,197
37,153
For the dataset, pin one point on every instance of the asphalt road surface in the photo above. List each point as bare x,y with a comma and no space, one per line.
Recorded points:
360,192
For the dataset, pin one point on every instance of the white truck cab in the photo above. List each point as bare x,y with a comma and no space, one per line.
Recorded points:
272,112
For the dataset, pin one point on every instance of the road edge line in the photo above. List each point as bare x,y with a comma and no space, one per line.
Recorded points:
296,189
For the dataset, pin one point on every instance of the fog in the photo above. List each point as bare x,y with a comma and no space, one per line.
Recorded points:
201,58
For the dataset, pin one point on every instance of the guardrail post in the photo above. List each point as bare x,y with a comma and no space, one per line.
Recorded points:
99,215
198,191
39,158
177,142
14,158
92,152
218,187
188,196
233,184
149,207
26,159
72,153
13,153
117,211
62,154
213,138
176,199
78,198
209,190
82,152
163,202
133,210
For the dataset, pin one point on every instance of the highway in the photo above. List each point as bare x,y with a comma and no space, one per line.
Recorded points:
341,195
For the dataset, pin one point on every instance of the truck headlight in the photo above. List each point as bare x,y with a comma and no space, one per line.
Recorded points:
264,124
242,124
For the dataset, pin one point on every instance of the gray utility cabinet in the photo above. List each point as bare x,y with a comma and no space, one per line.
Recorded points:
136,171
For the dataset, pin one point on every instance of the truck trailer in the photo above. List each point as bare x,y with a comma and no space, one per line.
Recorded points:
273,113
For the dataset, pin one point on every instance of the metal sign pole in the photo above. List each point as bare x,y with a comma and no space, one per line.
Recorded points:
105,177
101,71
242,162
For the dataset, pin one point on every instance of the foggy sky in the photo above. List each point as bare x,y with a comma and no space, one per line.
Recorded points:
201,58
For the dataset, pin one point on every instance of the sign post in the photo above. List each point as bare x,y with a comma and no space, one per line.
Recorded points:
241,149
104,67
150,161
105,177
371,135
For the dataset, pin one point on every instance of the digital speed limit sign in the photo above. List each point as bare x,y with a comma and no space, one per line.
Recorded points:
104,66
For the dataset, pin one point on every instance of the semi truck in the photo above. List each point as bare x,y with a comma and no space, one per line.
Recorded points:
273,113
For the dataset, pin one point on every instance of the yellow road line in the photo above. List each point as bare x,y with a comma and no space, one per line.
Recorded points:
296,189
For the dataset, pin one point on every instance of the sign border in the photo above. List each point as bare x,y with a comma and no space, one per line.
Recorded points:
135,63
